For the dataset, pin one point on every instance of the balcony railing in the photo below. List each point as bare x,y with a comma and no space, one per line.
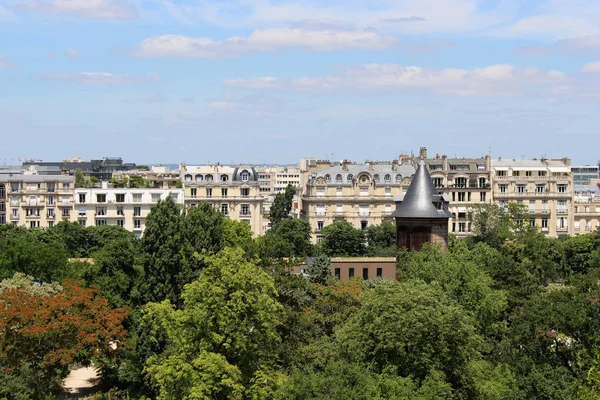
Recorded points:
532,194
526,178
562,228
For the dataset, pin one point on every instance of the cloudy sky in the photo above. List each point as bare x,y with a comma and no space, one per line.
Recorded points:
276,80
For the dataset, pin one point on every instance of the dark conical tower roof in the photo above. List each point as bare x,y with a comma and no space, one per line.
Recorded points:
420,198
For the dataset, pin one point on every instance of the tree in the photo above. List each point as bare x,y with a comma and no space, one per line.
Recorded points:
45,333
297,233
381,239
79,178
203,229
319,271
237,234
282,206
165,271
341,239
224,335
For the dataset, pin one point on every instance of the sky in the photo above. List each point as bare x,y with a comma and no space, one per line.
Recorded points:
272,81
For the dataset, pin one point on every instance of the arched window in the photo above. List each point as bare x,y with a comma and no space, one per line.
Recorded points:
338,178
376,177
350,177
398,178
364,179
327,178
199,178
387,178
188,178
245,176
224,178
209,178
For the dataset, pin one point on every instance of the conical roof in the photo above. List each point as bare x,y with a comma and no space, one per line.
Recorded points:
418,200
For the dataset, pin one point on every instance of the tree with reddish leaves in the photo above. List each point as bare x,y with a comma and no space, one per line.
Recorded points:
47,333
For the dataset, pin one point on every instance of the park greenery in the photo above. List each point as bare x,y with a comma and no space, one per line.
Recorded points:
199,309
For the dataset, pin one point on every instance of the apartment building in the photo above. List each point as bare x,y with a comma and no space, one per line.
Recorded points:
465,181
586,208
275,179
158,176
35,201
584,175
234,191
124,207
544,186
361,194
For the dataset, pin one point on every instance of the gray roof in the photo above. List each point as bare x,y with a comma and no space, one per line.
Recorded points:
37,178
420,198
404,170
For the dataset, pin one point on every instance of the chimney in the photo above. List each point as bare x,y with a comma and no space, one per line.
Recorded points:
567,161
345,165
423,153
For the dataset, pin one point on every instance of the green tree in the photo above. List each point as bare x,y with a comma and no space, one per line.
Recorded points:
381,239
297,233
203,228
341,239
224,335
238,234
282,206
319,271
79,178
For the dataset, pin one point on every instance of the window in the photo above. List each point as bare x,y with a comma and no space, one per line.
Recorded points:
350,273
339,209
245,192
531,206
208,192
327,178
365,273
387,178
2,207
82,198
338,178
364,179
199,178
337,273
379,272
101,198
338,192
388,208
51,187
376,177
82,212
398,178
461,196
460,182
100,211
100,222
320,225
120,197
481,196
82,222
120,210
320,210
209,178
350,177
521,188
363,210
2,191
502,188
155,197
532,222
388,191
461,227
544,223
50,224
137,211
32,212
541,173
364,225
137,197
528,173
437,182
187,178
14,187
66,186
66,212
364,191
482,183
540,188
224,209
224,178
224,192
50,200
320,192
137,224
245,176
562,188
121,223
245,209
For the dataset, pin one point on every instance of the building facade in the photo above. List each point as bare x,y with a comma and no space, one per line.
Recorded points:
361,194
36,201
466,182
586,209
584,175
544,187
234,191
124,207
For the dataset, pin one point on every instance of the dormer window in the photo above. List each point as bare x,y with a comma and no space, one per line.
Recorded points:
387,178
398,178
327,178
199,178
245,176
364,179
188,178
338,178
350,177
376,177
209,178
224,178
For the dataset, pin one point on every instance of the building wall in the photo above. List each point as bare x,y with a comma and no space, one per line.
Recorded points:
342,268
125,207
586,210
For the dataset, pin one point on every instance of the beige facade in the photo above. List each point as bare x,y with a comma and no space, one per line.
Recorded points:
36,201
466,182
586,209
361,194
124,207
544,186
234,191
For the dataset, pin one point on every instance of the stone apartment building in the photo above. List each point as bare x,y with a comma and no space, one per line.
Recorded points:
586,208
465,181
234,191
35,201
361,194
544,186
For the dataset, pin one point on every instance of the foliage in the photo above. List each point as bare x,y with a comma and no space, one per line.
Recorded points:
238,234
225,333
296,233
319,271
381,240
341,239
282,206
48,333
28,284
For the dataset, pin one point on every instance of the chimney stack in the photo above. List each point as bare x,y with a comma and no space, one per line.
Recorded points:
423,153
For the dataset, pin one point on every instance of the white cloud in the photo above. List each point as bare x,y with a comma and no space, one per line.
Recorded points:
261,40
92,9
72,53
94,78
494,80
591,67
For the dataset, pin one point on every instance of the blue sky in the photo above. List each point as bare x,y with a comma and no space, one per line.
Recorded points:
273,81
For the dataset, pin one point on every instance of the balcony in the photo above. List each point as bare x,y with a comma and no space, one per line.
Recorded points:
66,202
545,229
32,216
562,211
532,194
53,216
562,229
524,178
245,214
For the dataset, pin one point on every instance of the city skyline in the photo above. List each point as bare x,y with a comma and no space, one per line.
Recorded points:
272,82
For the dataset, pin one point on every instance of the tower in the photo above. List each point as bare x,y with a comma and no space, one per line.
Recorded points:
422,215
